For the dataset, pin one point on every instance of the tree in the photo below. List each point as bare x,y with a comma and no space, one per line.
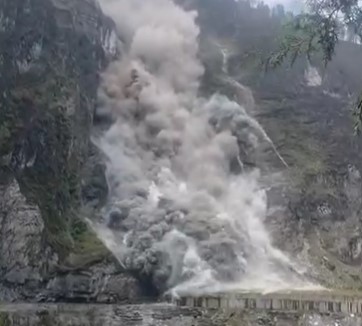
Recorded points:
320,29
279,12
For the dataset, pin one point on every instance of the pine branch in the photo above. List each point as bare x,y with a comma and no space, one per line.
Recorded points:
358,116
318,31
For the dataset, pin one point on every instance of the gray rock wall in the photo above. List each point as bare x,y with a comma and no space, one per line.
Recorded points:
51,55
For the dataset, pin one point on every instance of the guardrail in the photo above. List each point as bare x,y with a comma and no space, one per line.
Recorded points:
322,302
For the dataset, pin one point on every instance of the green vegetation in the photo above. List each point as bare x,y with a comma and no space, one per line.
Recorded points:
4,319
5,135
297,144
301,37
358,115
309,126
45,119
46,319
88,249
318,31
10,125
37,117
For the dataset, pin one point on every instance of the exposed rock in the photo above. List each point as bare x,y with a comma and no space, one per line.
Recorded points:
94,188
24,259
160,315
51,55
21,231
102,283
314,204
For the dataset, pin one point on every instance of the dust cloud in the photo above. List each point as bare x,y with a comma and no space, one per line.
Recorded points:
183,213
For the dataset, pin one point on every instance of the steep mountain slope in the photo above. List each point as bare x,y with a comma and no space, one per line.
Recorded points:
52,176
305,110
51,54
311,124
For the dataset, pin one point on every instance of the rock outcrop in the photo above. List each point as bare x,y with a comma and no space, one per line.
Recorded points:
51,175
51,55
315,203
24,257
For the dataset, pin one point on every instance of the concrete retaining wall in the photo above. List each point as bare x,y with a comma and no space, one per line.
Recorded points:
326,302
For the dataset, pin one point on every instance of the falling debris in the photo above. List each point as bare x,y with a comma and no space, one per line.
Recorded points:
191,223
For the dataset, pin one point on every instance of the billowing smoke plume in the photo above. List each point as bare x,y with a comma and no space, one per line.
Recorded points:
183,212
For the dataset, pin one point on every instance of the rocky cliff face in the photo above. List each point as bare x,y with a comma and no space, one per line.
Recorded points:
311,124
316,201
51,175
51,54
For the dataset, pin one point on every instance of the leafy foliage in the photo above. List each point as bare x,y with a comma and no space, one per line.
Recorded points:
358,116
305,34
87,248
319,30
4,319
299,38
